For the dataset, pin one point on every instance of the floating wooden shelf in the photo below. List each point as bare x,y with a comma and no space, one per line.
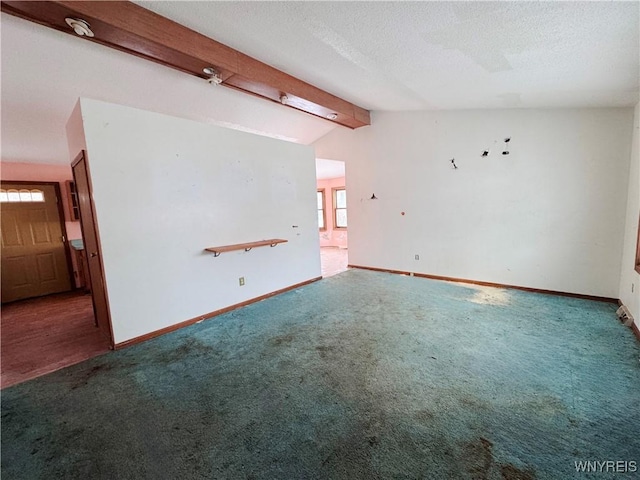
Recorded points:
245,246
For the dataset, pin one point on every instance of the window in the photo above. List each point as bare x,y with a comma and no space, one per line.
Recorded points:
340,208
23,195
322,218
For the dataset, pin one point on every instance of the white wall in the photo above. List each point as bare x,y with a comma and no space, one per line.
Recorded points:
76,141
550,215
165,188
630,278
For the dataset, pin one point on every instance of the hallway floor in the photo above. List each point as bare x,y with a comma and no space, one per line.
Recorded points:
45,334
334,260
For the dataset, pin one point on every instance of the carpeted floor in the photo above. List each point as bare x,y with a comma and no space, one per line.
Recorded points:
363,375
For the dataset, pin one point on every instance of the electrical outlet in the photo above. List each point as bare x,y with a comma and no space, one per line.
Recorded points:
417,257
241,281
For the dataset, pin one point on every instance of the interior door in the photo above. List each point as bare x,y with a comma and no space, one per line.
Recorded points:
34,256
92,246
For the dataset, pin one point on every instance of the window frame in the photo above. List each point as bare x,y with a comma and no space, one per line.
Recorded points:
335,207
324,209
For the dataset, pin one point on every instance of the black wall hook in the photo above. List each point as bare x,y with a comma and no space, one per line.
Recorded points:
506,146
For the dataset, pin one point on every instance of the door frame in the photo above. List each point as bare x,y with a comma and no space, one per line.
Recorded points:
107,313
61,217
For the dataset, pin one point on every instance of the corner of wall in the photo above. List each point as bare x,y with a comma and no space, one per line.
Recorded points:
629,290
75,132
336,144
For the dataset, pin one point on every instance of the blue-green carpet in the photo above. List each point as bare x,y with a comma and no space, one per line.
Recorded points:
364,375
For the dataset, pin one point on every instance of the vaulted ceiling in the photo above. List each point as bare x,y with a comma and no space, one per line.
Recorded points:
378,55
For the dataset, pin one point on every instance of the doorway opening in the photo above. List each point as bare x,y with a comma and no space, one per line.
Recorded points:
332,216
47,322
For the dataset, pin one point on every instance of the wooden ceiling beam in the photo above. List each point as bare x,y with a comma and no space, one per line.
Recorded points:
130,28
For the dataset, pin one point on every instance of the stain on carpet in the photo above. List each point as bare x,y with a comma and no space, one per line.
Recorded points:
323,351
509,472
90,374
484,294
469,401
424,416
282,340
191,347
97,370
478,457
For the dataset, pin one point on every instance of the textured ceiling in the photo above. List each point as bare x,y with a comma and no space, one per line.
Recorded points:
437,55
379,55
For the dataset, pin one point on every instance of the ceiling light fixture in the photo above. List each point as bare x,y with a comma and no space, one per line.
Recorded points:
214,77
80,27
332,116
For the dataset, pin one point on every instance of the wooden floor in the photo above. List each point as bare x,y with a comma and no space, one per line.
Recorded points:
334,260
45,334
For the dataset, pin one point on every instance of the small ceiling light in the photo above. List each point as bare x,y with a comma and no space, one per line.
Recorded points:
214,77
80,27
284,99
332,116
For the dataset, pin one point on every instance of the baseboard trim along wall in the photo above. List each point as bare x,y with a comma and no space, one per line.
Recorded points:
186,323
490,284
